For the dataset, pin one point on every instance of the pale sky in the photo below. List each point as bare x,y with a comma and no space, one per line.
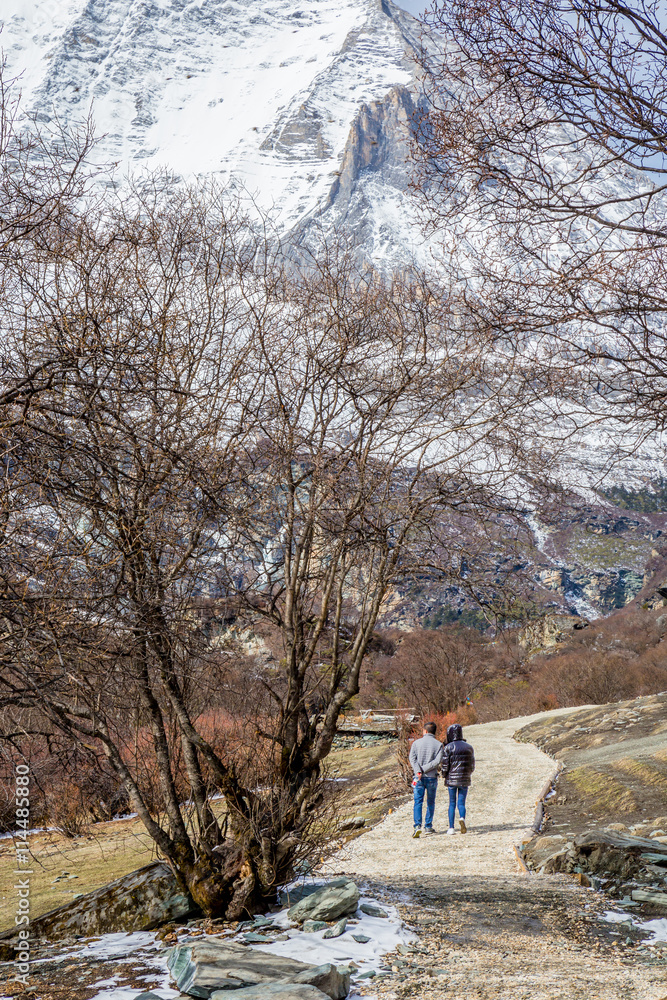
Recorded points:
416,7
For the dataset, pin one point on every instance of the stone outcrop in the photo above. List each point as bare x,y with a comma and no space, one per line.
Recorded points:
598,852
140,901
337,929
654,898
207,967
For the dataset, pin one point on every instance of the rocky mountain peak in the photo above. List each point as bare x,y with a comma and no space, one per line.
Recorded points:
302,106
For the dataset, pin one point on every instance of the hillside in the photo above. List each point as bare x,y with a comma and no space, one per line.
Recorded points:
302,112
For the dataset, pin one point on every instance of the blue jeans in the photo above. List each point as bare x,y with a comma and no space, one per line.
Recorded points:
431,785
461,803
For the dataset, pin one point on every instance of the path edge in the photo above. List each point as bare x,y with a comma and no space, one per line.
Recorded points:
539,807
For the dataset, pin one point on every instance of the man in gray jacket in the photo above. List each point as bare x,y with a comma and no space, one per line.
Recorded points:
425,757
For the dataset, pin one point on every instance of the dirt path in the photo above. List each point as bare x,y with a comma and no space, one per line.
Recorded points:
489,930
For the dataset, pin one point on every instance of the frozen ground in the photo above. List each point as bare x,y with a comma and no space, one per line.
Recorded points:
111,952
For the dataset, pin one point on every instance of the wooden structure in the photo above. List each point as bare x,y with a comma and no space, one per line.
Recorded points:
369,722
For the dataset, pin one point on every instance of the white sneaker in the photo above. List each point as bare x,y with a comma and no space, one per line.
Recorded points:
451,831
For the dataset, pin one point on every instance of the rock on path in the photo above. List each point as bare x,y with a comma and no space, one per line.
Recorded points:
489,930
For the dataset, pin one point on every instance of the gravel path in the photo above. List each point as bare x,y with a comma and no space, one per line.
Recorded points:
487,930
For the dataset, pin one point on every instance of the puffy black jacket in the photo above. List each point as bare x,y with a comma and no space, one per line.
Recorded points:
458,759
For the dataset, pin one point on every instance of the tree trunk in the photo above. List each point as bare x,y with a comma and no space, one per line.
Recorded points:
223,885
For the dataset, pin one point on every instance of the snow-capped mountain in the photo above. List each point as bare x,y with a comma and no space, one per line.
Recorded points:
305,105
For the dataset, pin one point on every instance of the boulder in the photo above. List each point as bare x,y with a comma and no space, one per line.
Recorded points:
328,903
140,901
311,926
373,910
149,996
557,861
288,897
279,991
613,839
352,823
548,843
655,858
332,980
205,966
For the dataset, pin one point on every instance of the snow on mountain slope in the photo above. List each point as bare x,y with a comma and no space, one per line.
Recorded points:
304,104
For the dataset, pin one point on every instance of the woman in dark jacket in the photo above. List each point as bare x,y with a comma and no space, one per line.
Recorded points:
458,763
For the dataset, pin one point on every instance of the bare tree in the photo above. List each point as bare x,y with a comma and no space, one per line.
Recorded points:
542,151
118,477
239,450
438,670
44,171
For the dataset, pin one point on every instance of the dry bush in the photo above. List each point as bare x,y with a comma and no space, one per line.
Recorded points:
69,787
406,731
575,677
429,670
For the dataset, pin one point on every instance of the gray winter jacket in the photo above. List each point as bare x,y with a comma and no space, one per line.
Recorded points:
425,756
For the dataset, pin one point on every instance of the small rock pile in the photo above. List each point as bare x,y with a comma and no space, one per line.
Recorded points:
355,741
207,967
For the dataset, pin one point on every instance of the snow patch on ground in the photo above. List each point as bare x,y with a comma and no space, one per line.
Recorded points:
385,934
108,946
656,927
28,833
138,947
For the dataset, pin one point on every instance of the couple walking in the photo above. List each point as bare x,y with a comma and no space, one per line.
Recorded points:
456,759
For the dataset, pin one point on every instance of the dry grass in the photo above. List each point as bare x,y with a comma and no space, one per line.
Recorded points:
109,851
601,792
645,772
615,761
